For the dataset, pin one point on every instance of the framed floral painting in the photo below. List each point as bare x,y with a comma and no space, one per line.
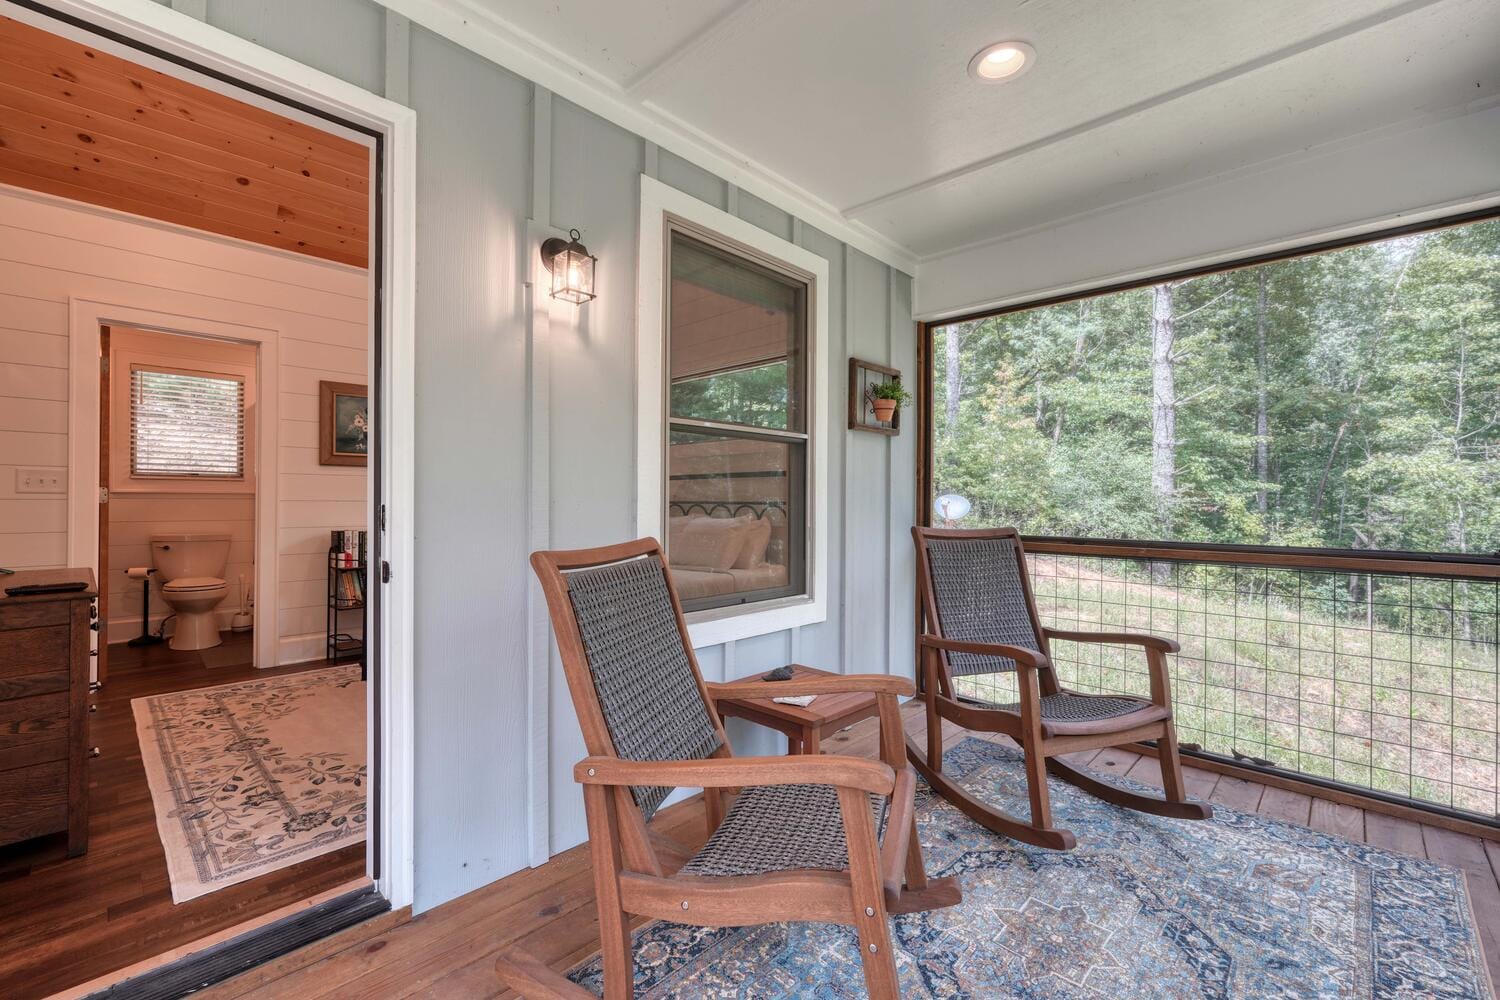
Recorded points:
343,423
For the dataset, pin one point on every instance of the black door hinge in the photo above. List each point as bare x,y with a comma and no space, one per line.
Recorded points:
385,571
382,517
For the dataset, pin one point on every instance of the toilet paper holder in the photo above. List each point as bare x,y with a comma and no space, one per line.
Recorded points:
143,574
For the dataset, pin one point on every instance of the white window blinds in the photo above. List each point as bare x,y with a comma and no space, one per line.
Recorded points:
186,424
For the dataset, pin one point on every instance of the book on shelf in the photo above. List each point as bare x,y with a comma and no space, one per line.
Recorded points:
349,585
346,548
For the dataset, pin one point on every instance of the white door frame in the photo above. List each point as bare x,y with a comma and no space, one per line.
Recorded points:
85,317
178,35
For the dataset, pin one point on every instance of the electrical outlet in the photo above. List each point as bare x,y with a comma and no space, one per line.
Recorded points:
41,481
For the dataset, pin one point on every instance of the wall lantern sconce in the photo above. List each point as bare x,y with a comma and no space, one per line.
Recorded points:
571,266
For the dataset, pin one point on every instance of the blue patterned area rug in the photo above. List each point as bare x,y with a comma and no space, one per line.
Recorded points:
1236,907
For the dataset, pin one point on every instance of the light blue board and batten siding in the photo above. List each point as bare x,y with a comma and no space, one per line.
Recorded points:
522,440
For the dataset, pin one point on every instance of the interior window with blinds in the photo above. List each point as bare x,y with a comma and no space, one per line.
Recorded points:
737,446
186,424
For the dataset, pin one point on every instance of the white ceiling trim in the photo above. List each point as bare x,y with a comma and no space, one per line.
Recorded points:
645,81
1349,190
1313,152
1177,265
490,36
1166,97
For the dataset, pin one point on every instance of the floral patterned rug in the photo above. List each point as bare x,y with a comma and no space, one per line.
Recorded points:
1236,907
253,777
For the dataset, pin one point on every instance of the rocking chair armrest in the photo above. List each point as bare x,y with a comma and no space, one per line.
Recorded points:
838,770
1030,659
1115,639
1155,646
798,686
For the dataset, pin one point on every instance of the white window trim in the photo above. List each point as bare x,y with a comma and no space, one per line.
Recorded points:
718,625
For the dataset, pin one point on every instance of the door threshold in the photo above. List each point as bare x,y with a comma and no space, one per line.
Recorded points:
218,956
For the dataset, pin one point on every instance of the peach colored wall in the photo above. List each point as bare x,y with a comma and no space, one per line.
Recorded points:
53,251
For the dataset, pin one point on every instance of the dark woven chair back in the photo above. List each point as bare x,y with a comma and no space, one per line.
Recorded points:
981,597
648,693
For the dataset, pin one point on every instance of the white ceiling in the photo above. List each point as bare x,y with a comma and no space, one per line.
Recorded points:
865,106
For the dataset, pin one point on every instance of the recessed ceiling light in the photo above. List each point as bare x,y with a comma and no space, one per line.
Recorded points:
1001,61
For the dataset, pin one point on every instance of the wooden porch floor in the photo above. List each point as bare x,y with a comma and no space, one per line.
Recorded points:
548,912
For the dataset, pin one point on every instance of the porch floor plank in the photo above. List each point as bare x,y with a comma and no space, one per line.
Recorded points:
1338,818
1147,771
1114,761
1284,804
1200,783
1079,758
1237,793
548,912
1394,834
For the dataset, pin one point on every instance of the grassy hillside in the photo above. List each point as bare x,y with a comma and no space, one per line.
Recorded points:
1383,682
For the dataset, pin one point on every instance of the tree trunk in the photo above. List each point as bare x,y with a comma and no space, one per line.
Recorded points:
1460,529
1262,417
1074,363
1461,395
1362,587
1317,504
953,381
1163,398
1163,413
1359,382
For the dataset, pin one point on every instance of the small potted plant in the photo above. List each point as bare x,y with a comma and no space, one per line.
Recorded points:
885,397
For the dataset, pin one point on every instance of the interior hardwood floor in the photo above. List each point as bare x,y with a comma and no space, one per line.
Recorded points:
449,952
64,922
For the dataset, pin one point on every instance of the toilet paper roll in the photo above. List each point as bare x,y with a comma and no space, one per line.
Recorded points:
138,572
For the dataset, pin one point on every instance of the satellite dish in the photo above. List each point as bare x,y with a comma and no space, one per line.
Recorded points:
951,507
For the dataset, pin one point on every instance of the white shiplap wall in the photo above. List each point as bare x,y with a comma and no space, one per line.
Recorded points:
33,426
51,251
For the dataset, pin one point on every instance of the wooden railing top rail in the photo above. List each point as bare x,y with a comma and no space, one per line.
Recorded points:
1473,567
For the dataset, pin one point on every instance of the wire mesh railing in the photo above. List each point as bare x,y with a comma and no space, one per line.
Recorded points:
1380,681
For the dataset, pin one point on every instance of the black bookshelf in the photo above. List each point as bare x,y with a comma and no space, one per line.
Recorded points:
346,596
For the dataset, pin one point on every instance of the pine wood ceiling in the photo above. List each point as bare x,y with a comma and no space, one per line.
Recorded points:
84,124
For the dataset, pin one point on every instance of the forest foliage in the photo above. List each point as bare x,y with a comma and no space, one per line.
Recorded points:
1349,399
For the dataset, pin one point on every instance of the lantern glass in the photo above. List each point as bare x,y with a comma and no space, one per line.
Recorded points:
573,275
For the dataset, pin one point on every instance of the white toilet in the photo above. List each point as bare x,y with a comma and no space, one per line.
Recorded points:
192,573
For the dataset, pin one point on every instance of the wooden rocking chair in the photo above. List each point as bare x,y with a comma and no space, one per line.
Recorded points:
801,839
981,619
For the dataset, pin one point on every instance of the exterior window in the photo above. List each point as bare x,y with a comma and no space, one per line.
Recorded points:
186,424
1343,400
737,436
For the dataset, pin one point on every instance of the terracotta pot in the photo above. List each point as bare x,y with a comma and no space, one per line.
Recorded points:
885,409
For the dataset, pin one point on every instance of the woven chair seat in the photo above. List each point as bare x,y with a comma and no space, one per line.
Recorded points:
1068,707
772,828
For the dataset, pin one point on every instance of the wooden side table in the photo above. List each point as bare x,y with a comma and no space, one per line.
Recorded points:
804,727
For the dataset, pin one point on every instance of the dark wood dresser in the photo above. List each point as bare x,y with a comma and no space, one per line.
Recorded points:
44,689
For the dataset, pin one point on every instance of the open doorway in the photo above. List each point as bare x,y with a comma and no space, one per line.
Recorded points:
178,464
231,775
